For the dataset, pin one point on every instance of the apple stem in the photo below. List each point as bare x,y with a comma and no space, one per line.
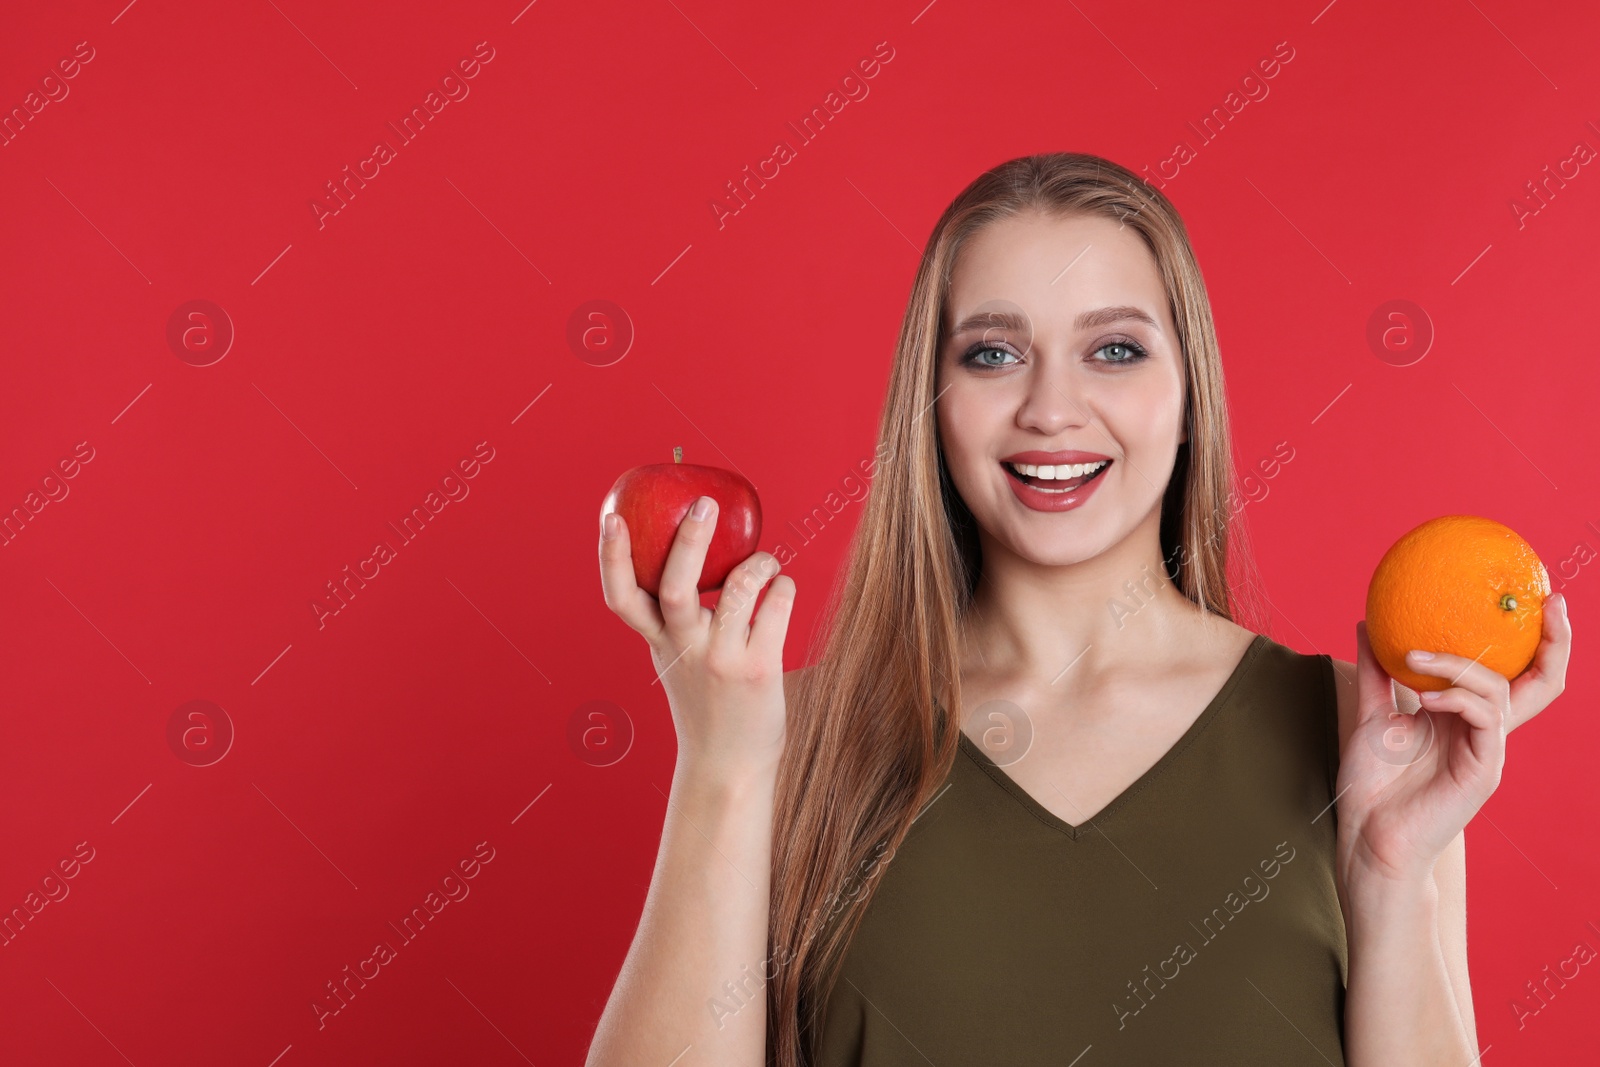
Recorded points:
677,453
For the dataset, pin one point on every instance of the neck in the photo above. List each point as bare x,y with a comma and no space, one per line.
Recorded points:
1034,621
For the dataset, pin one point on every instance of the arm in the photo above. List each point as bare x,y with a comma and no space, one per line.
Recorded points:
692,981
1449,874
1409,986
1400,1006
1401,851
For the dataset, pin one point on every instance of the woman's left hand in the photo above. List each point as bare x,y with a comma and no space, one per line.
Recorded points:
1409,784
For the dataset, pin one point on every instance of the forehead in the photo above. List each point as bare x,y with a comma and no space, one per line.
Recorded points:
1053,268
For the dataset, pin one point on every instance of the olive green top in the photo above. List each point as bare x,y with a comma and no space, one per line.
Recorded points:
1193,920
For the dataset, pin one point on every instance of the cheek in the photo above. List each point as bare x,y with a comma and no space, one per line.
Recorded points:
966,425
966,440
1148,411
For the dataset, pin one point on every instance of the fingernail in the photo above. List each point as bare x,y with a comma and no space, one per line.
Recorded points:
608,525
1417,654
1428,695
701,509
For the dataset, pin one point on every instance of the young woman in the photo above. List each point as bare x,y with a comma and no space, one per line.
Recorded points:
1148,834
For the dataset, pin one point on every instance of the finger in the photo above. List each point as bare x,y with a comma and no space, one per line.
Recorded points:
772,621
680,578
1374,687
1477,712
1546,678
730,624
633,605
1487,737
1463,672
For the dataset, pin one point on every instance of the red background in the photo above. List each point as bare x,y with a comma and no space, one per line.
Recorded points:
372,754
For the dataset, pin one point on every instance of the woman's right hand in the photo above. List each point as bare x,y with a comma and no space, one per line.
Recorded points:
723,674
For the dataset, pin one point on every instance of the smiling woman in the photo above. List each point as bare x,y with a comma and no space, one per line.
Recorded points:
1060,330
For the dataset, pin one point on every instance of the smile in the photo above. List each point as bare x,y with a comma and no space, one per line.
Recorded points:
1057,488
1062,478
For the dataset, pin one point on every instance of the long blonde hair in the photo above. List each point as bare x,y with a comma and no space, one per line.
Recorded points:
868,743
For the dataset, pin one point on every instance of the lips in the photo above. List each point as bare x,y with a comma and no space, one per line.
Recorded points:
1053,494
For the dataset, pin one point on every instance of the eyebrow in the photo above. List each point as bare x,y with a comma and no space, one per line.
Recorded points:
1088,320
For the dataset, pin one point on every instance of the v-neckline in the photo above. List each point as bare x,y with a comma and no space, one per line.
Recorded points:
1055,822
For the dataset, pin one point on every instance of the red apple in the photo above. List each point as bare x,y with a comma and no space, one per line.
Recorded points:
654,499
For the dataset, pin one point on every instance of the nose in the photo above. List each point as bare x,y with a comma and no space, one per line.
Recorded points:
1054,401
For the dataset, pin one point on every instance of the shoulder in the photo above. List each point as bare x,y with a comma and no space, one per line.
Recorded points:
1228,631
1274,672
1223,641
1305,686
1289,669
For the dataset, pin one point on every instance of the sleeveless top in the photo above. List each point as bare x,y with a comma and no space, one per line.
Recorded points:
1193,920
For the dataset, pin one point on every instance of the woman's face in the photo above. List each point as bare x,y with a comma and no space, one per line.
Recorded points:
1059,340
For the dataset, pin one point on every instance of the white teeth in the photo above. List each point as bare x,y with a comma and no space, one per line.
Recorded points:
1061,472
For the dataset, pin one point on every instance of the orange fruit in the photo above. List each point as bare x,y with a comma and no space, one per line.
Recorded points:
1460,584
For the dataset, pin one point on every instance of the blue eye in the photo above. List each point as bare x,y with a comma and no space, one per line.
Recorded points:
1130,352
973,353
1134,352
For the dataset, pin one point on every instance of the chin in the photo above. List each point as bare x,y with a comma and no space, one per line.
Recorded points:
1057,548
